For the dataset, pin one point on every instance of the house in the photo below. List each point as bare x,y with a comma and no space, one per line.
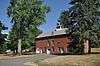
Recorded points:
55,42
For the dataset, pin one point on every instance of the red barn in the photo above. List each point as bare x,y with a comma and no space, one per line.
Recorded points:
55,42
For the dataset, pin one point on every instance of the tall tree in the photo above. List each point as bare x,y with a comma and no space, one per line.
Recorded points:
2,37
64,19
26,15
82,21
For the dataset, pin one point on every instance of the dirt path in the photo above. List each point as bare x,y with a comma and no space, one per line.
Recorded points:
17,61
13,57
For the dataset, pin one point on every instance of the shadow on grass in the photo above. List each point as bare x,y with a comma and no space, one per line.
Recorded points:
62,54
76,54
95,53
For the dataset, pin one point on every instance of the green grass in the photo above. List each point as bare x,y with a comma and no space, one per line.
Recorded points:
67,60
96,64
38,58
41,64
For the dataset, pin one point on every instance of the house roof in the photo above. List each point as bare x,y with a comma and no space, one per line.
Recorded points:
53,33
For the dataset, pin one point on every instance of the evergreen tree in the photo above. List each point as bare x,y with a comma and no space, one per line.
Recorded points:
82,21
2,38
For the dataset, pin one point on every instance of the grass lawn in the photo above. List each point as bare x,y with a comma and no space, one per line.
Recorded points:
74,60
40,57
67,60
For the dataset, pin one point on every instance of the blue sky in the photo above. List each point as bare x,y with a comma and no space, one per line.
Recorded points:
57,6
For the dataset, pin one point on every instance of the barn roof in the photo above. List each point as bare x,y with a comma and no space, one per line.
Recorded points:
53,33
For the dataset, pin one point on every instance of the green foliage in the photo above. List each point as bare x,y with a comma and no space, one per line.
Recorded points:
27,16
2,39
64,19
81,19
12,40
75,47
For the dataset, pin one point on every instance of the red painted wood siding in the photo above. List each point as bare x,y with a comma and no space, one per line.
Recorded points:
53,43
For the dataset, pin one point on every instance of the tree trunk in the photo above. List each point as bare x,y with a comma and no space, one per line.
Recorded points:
16,51
19,46
89,51
87,46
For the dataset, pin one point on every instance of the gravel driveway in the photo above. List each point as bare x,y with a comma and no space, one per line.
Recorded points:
15,62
